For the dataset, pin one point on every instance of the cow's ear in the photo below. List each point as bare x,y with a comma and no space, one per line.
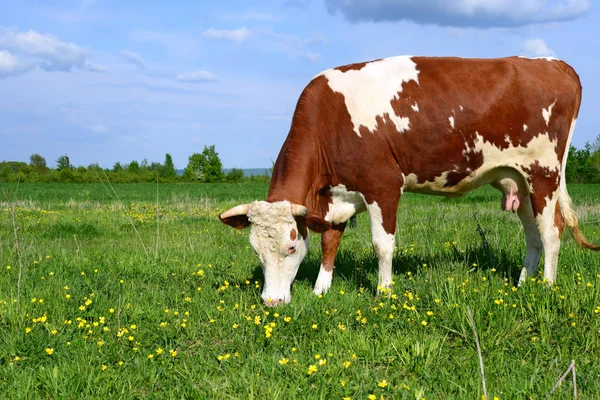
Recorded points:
236,217
317,224
237,221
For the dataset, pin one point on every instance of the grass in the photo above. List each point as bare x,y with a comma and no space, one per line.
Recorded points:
101,317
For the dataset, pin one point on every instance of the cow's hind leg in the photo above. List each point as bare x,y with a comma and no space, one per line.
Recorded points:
329,243
549,221
533,240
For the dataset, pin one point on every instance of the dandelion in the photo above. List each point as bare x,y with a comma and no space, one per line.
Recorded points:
173,353
347,364
372,397
27,330
312,369
150,356
17,358
323,361
424,323
284,361
341,327
120,363
314,326
49,351
159,351
100,343
104,367
287,319
383,384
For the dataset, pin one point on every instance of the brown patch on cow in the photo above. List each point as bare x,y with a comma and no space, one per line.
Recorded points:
317,224
559,221
329,244
293,234
473,160
301,224
544,182
238,221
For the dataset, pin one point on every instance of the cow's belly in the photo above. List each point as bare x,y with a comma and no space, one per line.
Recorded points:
344,204
439,187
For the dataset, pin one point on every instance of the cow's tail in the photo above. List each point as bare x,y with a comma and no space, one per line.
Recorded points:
571,219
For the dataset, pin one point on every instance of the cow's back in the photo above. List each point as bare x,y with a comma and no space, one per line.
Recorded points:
443,123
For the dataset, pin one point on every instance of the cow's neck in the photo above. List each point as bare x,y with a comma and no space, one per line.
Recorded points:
294,175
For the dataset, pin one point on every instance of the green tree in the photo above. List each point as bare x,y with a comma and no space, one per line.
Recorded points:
133,167
212,167
235,175
595,156
38,163
63,163
168,169
205,167
193,171
117,167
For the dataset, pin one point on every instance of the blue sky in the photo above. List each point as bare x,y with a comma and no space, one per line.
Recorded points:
106,80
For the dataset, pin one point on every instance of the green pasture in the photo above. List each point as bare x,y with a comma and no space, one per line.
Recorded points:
138,291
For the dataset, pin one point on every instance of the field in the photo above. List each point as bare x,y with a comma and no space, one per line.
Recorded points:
138,291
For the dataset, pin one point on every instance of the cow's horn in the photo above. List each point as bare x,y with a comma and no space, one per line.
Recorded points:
298,210
242,209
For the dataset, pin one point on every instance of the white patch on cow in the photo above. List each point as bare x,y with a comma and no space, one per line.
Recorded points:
344,205
539,58
368,92
461,108
415,107
540,149
451,119
550,237
270,238
524,128
533,241
547,113
323,281
383,244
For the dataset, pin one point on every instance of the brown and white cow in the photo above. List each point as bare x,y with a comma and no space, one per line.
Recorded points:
362,134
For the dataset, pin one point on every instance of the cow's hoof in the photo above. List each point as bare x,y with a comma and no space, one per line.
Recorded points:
323,282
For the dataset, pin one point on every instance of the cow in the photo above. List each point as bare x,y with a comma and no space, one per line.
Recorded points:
362,134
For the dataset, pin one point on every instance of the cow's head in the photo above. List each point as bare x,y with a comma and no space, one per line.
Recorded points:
279,236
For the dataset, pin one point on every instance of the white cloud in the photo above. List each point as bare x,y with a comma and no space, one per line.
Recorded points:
235,35
474,13
47,51
536,48
197,77
9,65
132,58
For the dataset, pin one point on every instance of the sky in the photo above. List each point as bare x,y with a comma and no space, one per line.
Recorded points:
107,80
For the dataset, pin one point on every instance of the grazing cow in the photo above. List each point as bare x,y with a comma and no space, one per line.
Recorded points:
362,134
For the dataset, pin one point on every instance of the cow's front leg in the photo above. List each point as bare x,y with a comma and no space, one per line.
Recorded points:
330,241
383,228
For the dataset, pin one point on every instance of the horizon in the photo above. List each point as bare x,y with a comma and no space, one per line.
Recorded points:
104,81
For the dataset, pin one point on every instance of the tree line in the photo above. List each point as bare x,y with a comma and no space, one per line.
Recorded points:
583,166
204,167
